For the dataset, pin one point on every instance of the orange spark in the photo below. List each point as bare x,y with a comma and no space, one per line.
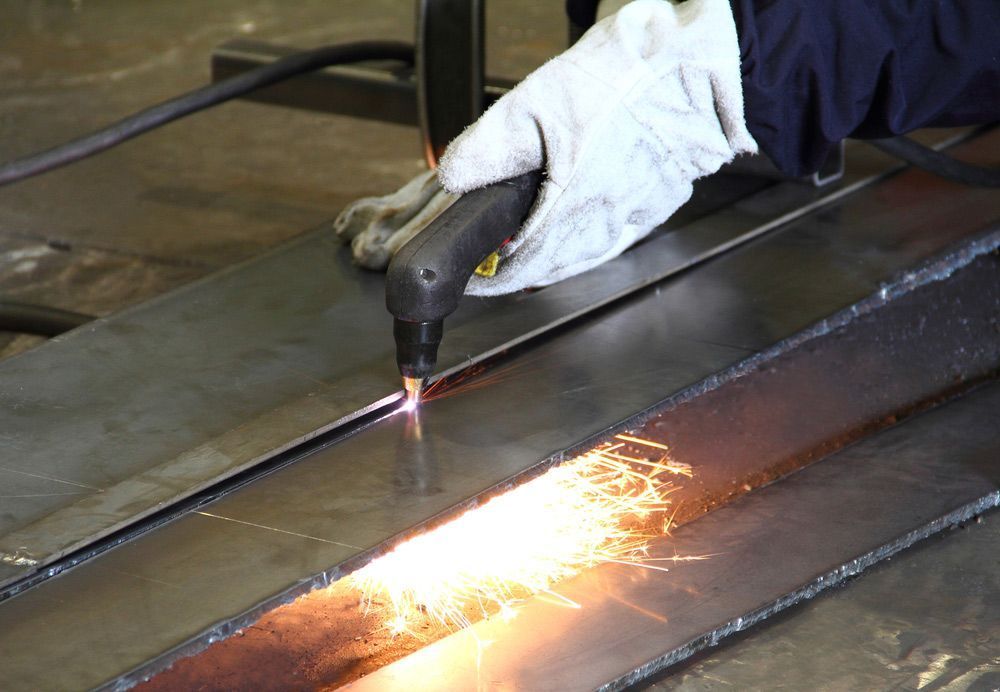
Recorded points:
603,506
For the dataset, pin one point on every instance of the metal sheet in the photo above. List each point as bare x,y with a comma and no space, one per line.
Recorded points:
929,618
756,425
771,549
188,390
155,403
303,525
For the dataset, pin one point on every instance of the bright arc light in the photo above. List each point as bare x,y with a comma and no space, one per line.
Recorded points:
603,506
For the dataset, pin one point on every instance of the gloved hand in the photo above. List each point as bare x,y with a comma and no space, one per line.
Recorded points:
647,101
378,226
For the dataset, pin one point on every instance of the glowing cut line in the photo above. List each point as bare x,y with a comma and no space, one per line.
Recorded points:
603,506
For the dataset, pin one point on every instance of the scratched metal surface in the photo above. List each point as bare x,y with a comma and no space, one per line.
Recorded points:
109,423
771,549
929,619
168,589
112,421
171,396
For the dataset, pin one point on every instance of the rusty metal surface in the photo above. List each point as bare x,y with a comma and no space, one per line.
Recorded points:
771,549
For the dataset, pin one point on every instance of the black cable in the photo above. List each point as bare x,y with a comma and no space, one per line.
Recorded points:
937,163
36,319
202,98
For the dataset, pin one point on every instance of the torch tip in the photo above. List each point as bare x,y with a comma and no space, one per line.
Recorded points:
414,387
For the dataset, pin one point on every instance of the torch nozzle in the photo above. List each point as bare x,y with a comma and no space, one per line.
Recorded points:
414,387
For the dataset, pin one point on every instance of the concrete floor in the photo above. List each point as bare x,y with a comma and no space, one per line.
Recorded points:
205,192
225,185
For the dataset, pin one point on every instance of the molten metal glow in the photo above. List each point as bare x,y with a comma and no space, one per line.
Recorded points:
603,506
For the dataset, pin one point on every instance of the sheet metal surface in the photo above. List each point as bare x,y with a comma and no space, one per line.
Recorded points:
928,619
109,423
770,549
268,540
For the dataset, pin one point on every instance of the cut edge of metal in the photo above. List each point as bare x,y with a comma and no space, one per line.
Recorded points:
807,591
931,271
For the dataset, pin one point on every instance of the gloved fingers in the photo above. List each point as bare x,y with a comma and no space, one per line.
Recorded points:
572,236
374,247
645,103
388,212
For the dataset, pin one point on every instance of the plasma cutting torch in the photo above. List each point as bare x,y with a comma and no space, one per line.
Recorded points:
427,277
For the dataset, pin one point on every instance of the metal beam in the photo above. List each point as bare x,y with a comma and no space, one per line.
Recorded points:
385,92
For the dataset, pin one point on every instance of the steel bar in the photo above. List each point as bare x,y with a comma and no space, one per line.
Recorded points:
305,524
768,420
769,550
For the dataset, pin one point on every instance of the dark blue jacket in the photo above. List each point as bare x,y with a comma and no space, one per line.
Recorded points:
817,71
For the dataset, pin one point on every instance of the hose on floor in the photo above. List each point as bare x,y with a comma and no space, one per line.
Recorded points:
937,163
45,321
25,318
200,99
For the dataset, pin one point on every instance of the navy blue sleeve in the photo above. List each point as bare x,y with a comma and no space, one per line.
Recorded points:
583,13
817,71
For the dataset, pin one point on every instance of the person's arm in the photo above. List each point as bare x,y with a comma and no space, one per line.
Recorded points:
659,94
815,71
818,71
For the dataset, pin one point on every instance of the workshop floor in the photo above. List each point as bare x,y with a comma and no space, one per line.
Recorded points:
211,190
228,184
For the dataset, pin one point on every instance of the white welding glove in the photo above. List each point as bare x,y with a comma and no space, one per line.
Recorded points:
378,226
647,101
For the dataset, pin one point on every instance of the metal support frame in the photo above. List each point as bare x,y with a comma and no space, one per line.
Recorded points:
445,92
450,59
381,91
